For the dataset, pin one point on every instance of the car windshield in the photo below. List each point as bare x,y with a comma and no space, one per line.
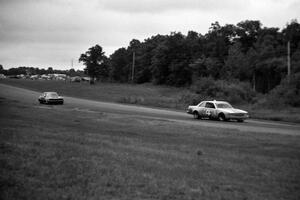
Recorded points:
52,95
224,105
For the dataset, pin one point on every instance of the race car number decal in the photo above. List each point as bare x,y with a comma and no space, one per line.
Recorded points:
208,112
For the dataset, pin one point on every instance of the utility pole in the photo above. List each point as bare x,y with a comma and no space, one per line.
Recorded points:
71,63
254,81
133,63
288,62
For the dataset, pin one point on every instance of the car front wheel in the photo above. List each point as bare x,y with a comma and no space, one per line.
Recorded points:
221,117
196,115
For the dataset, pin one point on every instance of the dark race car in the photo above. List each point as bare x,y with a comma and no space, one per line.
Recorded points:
51,98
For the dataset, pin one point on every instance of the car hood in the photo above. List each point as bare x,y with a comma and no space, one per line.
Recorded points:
231,110
59,97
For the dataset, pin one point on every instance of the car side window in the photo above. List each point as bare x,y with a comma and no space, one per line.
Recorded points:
201,104
209,105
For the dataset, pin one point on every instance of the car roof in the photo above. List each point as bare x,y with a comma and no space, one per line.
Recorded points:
214,101
50,92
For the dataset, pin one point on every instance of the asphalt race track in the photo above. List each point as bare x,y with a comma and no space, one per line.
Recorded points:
29,97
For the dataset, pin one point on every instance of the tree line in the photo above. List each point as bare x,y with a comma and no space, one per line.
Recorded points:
246,52
37,71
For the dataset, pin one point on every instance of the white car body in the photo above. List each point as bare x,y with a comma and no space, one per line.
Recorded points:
220,110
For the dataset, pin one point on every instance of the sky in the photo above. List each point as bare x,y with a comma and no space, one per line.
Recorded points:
54,33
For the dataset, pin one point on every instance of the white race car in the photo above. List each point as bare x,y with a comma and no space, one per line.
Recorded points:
220,110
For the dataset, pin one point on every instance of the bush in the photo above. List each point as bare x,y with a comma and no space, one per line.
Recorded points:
285,93
234,92
189,98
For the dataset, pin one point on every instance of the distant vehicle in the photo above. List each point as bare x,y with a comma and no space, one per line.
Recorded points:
51,98
220,110
34,77
76,79
85,78
59,77
45,77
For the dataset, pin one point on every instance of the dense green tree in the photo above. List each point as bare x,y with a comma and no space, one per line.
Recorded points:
16,71
247,32
170,61
194,43
38,71
245,51
144,58
295,64
179,58
119,64
269,67
291,33
94,60
236,65
50,70
159,64
199,68
218,40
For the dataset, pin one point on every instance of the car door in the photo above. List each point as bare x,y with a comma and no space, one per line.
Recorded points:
201,109
209,109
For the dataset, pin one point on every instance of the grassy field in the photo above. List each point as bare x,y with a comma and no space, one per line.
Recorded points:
50,152
146,95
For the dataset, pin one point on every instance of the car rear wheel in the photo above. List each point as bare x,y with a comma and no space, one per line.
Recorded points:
196,115
221,117
240,120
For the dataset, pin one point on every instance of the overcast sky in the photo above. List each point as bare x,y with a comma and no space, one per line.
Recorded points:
50,33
